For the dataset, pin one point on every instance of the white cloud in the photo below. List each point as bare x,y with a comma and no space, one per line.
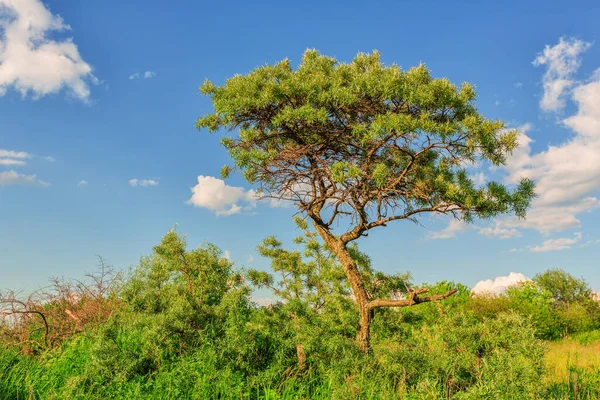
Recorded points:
82,182
250,259
557,244
227,254
142,182
499,284
145,75
567,175
455,226
13,178
479,178
518,85
31,62
498,231
214,194
14,154
11,161
49,158
562,61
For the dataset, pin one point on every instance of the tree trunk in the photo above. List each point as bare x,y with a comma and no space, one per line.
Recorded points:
301,356
363,336
366,306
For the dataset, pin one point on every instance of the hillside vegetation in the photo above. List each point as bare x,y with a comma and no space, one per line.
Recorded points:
182,324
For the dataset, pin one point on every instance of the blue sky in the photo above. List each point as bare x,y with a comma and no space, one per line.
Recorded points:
98,93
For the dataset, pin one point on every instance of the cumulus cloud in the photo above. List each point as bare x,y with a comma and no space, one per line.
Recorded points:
498,285
557,244
13,154
31,62
214,194
454,226
49,159
567,175
11,161
13,158
82,182
499,232
14,178
562,61
142,182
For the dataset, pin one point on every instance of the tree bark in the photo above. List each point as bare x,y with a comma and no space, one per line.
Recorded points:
301,356
366,306
363,336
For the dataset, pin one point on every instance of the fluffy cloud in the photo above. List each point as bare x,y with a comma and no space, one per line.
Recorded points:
142,182
214,194
82,182
30,62
568,174
455,226
562,61
145,75
557,244
499,232
14,154
11,161
499,284
13,178
13,158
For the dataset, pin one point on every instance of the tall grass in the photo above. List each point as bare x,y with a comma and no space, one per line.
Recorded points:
573,368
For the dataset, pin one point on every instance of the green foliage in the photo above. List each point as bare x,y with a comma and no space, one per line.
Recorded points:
563,287
553,316
363,130
186,328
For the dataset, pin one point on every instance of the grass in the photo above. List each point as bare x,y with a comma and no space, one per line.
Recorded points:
573,369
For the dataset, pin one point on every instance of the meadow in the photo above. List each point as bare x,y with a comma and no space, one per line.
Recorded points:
182,324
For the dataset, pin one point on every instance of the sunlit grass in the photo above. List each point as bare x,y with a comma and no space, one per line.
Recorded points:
573,368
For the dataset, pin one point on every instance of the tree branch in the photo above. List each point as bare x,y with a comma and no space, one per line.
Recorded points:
412,300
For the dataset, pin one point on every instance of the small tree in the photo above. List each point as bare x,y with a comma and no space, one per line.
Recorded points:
359,145
563,286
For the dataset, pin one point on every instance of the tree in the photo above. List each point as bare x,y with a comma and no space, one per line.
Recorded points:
358,145
563,286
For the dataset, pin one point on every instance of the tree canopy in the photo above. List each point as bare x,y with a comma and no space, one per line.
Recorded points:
364,140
